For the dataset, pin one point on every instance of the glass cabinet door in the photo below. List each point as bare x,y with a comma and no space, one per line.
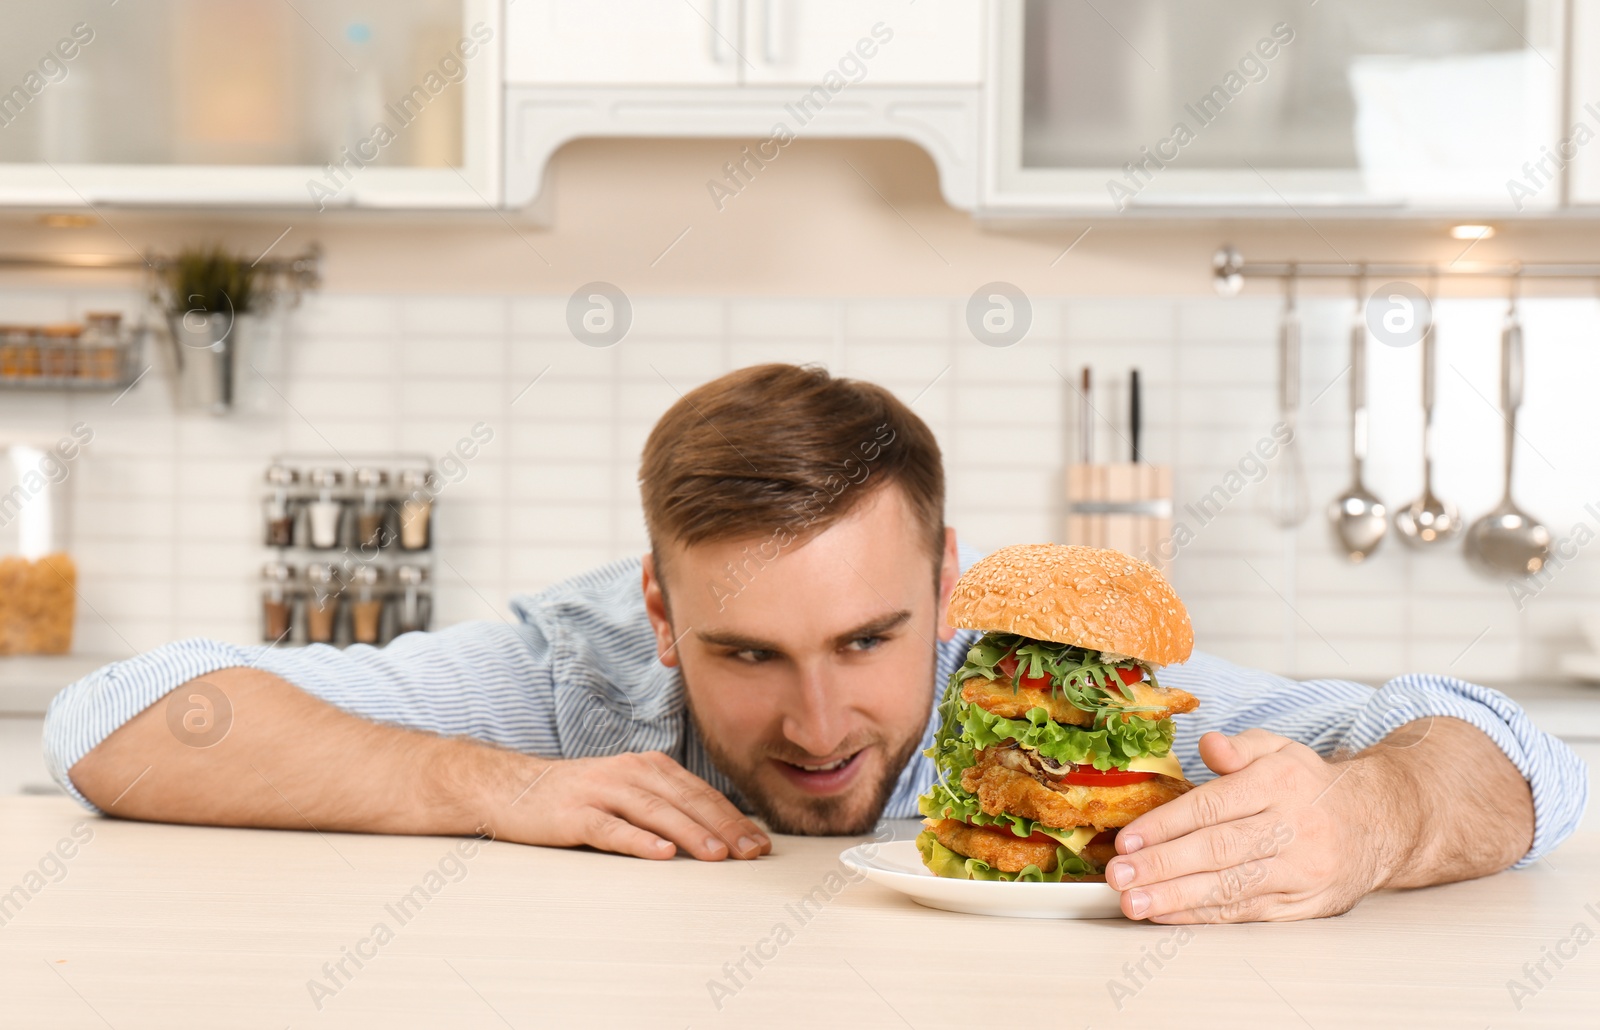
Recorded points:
241,85
1426,103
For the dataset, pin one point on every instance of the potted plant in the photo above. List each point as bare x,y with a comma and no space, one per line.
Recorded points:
208,290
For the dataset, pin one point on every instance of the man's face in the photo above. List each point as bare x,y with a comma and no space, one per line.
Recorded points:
810,676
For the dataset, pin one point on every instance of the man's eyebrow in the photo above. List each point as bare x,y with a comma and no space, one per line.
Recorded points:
875,627
740,642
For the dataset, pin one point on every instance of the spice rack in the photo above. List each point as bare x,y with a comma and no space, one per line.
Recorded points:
99,353
350,548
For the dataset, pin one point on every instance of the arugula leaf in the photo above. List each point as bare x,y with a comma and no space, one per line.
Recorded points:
1085,679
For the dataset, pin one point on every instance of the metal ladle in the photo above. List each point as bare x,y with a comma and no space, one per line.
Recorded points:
1358,518
1427,520
1507,541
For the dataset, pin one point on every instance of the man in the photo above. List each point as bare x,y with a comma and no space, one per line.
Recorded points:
779,652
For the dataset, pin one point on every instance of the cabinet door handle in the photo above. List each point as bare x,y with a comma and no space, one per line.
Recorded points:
716,42
769,31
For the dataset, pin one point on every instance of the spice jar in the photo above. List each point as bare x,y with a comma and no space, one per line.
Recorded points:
278,509
277,606
58,348
370,529
21,352
416,510
322,603
366,611
99,354
414,605
324,513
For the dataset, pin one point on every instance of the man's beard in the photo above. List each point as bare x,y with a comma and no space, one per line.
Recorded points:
810,816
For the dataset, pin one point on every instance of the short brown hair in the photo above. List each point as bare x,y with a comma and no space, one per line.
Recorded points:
784,451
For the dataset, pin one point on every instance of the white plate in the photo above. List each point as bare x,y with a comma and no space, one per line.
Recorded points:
898,866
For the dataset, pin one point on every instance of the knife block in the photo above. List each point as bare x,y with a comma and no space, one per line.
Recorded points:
1124,507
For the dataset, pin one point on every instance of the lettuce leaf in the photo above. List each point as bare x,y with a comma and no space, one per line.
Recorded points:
944,862
1114,746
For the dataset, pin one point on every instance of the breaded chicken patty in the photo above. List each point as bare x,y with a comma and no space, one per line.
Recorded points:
1004,783
1006,852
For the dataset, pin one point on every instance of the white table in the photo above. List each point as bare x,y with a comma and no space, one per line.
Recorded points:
166,926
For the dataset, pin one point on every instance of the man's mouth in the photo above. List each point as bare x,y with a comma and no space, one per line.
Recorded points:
828,777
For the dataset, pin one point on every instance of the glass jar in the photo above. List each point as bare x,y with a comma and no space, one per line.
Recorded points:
322,603
99,349
416,508
278,509
366,610
414,607
370,529
277,604
58,348
324,514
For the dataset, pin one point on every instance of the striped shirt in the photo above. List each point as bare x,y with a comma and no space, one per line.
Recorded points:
576,675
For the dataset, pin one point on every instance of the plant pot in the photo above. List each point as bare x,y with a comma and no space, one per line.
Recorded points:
207,353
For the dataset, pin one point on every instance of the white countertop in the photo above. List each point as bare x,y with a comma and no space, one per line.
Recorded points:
28,682
159,926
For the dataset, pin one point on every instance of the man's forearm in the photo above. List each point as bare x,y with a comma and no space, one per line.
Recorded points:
288,760
1458,808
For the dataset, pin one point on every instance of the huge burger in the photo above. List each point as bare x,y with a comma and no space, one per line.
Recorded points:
1055,732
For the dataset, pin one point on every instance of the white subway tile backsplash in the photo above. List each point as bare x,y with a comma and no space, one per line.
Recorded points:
452,357
783,319
454,316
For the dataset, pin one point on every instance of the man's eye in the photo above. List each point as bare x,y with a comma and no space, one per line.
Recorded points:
753,656
866,643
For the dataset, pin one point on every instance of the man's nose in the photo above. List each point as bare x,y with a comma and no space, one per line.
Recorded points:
817,720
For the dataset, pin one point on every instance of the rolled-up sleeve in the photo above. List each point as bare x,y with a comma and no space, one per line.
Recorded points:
1337,715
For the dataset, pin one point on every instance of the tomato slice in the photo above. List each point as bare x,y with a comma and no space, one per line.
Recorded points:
1131,676
1089,776
1008,665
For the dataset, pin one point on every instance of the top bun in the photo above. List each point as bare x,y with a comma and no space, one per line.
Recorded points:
1085,596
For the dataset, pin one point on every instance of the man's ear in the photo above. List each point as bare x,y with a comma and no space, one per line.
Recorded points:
949,572
655,606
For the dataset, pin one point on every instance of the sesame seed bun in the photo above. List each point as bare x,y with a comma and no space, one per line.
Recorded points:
1086,596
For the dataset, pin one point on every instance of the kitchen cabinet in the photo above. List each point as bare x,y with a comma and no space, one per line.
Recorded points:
1581,128
751,69
251,103
622,42
738,42
1160,105
933,42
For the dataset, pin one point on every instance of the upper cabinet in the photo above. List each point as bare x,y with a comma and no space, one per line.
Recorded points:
739,42
1428,105
622,43
338,103
1027,107
761,69
929,43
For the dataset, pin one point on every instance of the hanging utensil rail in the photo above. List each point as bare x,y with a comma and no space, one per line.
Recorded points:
1230,269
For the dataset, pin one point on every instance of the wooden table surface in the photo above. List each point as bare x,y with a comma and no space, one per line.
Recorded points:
166,926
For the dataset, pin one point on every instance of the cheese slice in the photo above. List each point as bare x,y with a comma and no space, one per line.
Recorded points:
1075,840
1166,765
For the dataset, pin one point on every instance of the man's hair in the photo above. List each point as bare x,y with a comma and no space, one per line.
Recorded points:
780,452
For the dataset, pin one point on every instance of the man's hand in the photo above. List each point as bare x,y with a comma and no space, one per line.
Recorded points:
645,805
1281,834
